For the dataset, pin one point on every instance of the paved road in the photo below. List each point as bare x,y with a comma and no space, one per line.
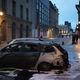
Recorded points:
74,56
73,73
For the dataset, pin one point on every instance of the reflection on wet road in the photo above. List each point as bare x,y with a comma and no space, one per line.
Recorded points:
72,52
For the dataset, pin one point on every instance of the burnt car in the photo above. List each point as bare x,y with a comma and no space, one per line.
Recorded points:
39,55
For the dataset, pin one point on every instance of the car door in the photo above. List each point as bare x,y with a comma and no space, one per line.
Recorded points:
11,56
31,54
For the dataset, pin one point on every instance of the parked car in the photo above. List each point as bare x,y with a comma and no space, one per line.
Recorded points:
38,55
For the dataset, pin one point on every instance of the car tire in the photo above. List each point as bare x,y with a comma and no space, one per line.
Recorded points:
44,66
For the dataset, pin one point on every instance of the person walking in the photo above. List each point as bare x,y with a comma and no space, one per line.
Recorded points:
73,38
76,34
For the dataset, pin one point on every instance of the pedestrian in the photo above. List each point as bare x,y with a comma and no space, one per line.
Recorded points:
76,39
73,38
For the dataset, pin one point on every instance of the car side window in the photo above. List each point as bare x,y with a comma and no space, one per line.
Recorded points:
34,48
5,49
14,47
10,48
30,48
25,48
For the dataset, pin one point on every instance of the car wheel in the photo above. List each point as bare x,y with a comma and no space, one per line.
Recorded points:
44,66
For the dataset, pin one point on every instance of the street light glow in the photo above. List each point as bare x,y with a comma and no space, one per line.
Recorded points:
77,27
1,13
79,22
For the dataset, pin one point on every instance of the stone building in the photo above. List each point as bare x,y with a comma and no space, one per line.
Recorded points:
65,29
53,20
16,19
78,10
42,17
26,18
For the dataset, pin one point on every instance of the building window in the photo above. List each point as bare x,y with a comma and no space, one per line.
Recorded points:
21,11
37,4
43,13
21,31
13,8
4,5
13,30
27,14
27,29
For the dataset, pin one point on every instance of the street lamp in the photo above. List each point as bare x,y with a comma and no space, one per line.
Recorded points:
79,22
1,14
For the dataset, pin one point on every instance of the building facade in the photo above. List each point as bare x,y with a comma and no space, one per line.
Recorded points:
42,17
65,29
78,10
16,19
78,25
27,18
53,20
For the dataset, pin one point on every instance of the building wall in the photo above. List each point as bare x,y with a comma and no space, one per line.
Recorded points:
78,25
36,24
42,19
78,10
34,18
64,30
8,18
53,19
18,3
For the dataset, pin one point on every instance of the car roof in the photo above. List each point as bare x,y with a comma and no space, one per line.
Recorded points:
42,41
34,42
22,39
29,39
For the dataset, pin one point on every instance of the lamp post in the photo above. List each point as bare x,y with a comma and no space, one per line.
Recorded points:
1,14
78,28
